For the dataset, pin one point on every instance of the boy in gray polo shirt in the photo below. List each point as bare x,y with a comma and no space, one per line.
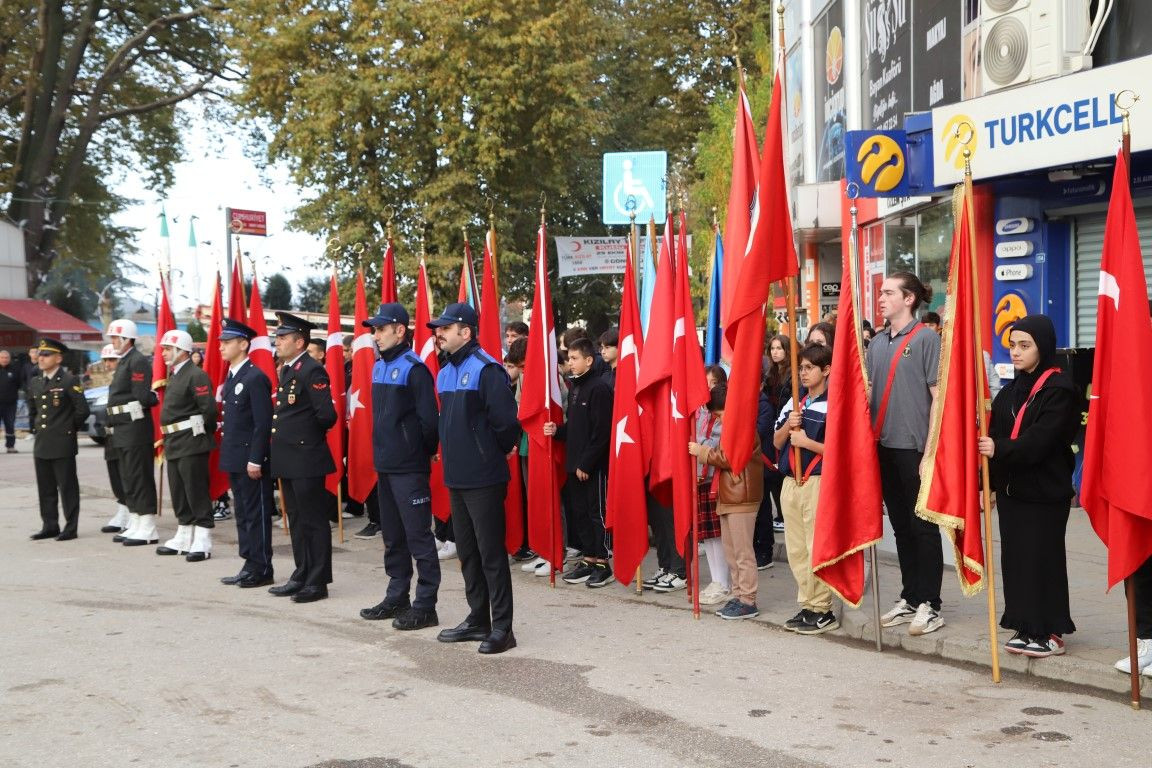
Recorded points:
903,363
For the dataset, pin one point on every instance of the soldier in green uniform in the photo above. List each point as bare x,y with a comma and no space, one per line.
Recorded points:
57,411
188,421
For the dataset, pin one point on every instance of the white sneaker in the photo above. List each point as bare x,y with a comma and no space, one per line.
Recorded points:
714,594
1143,658
927,620
448,551
532,565
670,583
901,613
543,568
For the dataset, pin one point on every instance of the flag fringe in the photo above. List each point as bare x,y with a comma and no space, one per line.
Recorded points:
817,568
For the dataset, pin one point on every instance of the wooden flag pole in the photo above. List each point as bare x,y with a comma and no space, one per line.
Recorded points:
160,488
984,408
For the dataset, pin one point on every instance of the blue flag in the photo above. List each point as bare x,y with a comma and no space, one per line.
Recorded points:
647,287
712,329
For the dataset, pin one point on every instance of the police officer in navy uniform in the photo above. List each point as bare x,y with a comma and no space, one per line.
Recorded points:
244,454
478,428
301,418
404,438
57,412
130,427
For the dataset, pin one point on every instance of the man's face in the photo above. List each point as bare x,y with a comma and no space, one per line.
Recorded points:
388,336
171,355
348,353
510,336
110,363
514,370
5,357
119,343
233,350
578,364
610,354
893,299
48,361
289,346
317,352
450,338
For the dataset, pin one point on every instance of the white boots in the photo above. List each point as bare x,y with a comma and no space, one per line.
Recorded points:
200,548
142,532
119,522
178,544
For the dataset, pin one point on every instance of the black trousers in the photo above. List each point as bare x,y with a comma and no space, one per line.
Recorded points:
8,416
56,481
307,504
188,482
114,479
587,498
1142,586
663,526
139,483
405,514
252,508
478,519
443,530
918,544
1035,567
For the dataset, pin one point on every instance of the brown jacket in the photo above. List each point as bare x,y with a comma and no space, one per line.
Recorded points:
737,493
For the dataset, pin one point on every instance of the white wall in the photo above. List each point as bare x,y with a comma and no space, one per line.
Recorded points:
13,272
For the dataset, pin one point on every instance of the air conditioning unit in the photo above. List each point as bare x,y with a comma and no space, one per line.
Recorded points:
1028,40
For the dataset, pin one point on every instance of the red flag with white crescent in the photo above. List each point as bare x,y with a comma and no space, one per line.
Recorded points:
424,344
361,470
334,364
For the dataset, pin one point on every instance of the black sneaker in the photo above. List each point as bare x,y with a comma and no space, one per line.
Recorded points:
799,620
819,623
580,574
523,555
654,579
369,531
1017,644
601,576
764,563
415,618
384,610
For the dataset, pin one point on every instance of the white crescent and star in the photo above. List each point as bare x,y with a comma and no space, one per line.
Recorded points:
622,435
354,403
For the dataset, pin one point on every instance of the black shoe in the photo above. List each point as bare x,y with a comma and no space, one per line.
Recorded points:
249,581
230,580
579,574
764,563
369,531
310,595
45,534
464,632
415,618
197,557
499,641
119,538
601,576
820,623
112,529
384,610
163,550
287,588
66,536
523,555
801,619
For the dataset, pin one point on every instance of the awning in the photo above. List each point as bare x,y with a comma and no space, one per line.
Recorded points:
25,321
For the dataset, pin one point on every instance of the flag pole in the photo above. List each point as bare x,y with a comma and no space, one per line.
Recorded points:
682,262
551,459
982,411
853,192
634,245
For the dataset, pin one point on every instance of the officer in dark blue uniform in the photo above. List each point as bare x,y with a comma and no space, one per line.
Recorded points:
301,418
478,428
246,396
404,438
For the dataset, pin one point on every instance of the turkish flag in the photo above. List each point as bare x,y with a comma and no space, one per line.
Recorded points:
361,470
654,387
849,512
217,371
514,506
627,511
950,470
260,350
741,196
467,292
388,276
689,393
489,335
334,364
424,343
1116,490
236,292
164,322
539,404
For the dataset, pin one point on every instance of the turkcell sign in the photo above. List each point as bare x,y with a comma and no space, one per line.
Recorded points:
634,181
1046,124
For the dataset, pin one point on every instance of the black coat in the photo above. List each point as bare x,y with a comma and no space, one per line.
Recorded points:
188,393
247,420
11,382
301,418
57,411
132,381
587,432
1037,466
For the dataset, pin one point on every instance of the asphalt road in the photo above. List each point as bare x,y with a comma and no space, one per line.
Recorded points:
117,657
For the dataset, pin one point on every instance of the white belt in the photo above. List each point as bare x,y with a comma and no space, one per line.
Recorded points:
168,429
134,408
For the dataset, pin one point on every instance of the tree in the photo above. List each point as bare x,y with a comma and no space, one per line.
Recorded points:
87,89
277,292
196,331
312,295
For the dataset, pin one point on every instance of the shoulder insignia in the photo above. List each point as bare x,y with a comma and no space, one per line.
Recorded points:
203,390
77,389
320,385
298,364
137,377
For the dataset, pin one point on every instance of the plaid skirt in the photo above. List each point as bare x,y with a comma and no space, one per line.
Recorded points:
707,521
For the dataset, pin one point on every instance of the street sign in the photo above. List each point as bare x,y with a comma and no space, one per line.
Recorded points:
634,181
243,222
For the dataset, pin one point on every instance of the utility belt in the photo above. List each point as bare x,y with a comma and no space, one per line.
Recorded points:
194,423
133,408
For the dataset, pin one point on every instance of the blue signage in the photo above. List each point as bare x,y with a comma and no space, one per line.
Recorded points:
634,181
877,162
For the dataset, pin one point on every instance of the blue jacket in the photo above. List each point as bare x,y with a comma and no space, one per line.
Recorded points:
404,417
247,420
478,423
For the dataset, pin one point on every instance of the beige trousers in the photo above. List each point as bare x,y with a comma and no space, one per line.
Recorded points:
736,531
799,503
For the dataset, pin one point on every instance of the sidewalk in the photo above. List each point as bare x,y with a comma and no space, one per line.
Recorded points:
1101,636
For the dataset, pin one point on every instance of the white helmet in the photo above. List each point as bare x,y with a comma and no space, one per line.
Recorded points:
109,353
177,339
125,329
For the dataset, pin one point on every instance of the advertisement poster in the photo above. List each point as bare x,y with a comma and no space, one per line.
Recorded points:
886,91
936,27
828,34
794,74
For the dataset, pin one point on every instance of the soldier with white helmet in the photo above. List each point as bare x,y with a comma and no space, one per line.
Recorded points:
130,428
119,522
188,423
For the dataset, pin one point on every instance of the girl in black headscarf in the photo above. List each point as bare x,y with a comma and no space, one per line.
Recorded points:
1034,419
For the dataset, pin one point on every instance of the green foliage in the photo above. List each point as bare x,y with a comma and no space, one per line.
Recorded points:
312,295
196,331
277,292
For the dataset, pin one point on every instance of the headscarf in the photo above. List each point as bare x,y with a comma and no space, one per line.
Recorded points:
1043,333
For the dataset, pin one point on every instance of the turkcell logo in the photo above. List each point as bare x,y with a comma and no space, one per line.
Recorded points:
634,181
875,162
1056,120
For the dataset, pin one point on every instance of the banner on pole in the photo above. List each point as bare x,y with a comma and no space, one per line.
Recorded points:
578,256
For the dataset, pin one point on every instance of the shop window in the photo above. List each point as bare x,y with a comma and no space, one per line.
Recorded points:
933,247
